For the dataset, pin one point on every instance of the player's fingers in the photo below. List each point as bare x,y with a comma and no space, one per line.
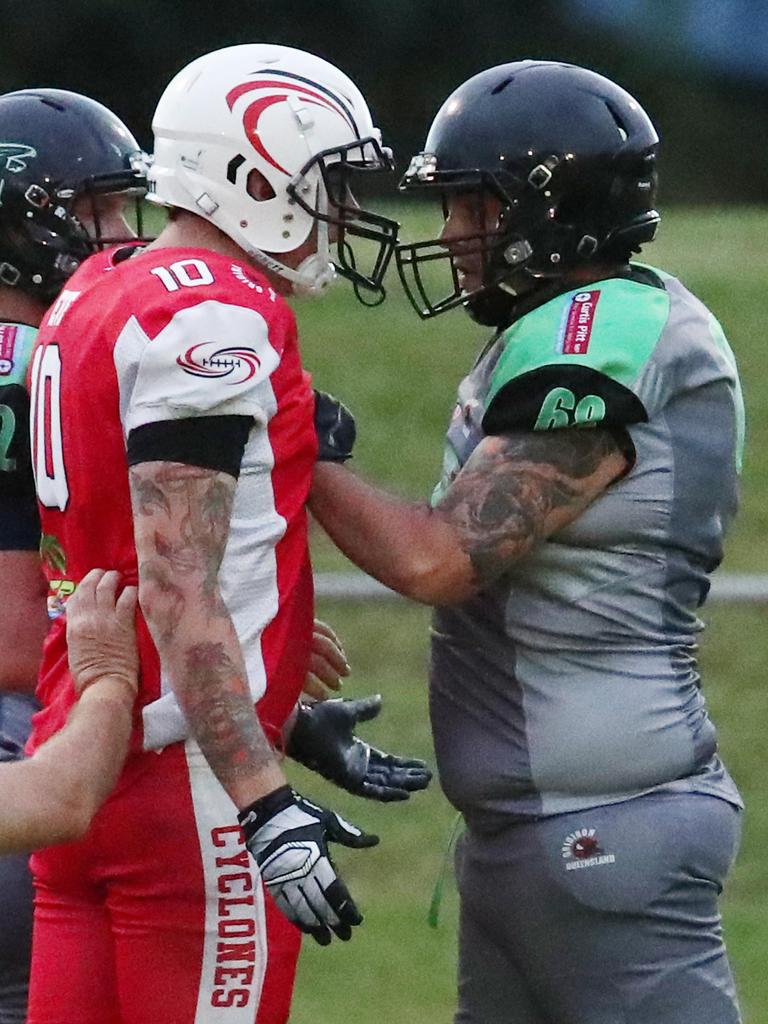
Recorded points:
365,708
292,901
325,630
320,934
324,671
313,892
381,758
125,608
326,651
408,778
85,593
106,589
314,688
341,831
383,794
343,931
345,910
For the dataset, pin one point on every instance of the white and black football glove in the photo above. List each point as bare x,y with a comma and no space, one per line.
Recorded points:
335,428
288,837
323,739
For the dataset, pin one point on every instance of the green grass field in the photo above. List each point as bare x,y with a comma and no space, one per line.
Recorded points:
399,376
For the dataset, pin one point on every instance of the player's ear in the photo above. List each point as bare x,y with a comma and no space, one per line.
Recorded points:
258,187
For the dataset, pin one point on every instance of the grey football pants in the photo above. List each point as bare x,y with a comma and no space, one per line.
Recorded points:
606,916
16,711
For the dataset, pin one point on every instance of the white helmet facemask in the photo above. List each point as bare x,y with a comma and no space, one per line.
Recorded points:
263,141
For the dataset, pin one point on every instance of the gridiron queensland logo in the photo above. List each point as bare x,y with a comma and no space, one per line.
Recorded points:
208,359
581,849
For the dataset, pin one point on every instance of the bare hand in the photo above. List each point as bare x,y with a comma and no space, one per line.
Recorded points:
327,663
101,632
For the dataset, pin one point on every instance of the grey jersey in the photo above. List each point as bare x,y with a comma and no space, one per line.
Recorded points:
572,682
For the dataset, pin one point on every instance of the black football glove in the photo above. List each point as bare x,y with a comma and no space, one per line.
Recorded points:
324,740
335,429
288,837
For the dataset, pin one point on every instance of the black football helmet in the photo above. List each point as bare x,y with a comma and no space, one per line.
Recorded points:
571,157
56,147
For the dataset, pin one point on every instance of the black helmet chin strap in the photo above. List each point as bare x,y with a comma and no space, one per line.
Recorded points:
500,306
492,307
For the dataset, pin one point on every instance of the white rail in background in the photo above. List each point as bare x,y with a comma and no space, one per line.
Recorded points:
727,587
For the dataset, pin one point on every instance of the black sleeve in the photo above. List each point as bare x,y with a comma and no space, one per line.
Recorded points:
212,442
520,403
19,519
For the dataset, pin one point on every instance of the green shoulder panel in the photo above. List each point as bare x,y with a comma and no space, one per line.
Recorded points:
609,327
16,344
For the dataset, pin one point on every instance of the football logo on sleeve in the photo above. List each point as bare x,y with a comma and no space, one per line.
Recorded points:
241,363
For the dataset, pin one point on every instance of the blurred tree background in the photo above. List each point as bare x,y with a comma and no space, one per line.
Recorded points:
700,67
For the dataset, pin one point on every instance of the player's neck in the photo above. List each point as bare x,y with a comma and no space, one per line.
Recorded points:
187,231
19,308
591,272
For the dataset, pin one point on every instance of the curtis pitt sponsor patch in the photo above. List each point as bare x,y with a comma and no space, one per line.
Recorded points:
576,329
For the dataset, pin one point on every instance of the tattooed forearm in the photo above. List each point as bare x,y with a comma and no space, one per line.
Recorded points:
163,601
181,520
220,712
516,489
181,517
148,497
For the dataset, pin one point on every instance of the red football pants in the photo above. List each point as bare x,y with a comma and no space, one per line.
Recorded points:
158,915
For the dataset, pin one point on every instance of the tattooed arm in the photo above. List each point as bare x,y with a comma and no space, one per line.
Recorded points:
515,490
181,522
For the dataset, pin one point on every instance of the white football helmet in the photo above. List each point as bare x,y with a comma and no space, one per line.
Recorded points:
305,127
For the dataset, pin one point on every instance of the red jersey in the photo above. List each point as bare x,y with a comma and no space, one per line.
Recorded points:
175,334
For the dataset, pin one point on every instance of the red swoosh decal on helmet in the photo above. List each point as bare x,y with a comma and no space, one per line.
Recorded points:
239,90
256,109
251,125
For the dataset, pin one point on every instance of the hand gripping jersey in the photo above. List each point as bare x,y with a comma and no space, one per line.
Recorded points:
572,681
168,335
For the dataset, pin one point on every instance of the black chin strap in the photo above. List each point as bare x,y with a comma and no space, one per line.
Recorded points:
492,308
498,308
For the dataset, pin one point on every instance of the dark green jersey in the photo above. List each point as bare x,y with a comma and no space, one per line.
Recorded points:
572,681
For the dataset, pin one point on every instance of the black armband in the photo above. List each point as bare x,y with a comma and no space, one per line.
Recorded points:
520,403
212,442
